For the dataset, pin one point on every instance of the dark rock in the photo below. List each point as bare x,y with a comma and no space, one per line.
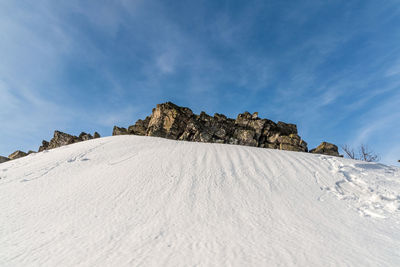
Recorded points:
3,159
179,123
44,146
119,131
140,128
292,143
169,121
62,139
326,149
17,154
31,152
84,136
287,128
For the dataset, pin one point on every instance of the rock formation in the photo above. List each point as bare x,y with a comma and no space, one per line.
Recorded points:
179,123
3,159
62,139
326,149
119,131
17,154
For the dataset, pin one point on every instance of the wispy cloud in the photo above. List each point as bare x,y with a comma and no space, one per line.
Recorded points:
312,63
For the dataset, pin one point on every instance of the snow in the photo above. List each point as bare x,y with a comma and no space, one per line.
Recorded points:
145,201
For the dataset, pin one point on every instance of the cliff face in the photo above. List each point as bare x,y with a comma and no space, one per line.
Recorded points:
179,123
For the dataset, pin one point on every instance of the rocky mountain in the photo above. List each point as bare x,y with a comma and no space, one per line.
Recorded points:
180,123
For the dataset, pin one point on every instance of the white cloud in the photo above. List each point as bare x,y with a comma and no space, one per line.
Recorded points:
166,62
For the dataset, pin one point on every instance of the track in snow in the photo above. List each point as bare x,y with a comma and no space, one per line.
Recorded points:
140,201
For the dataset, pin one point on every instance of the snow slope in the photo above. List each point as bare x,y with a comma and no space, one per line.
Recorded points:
144,201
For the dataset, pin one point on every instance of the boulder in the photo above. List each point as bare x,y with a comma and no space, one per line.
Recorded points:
96,135
326,149
3,159
17,154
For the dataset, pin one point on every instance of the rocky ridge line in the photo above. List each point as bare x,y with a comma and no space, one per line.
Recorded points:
180,123
59,139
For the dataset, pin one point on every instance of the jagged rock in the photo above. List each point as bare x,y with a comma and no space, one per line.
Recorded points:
287,128
119,131
3,159
168,120
326,149
174,122
31,152
44,146
292,142
17,154
62,139
85,136
140,128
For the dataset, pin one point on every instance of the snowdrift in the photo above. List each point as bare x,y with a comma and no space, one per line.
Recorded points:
145,201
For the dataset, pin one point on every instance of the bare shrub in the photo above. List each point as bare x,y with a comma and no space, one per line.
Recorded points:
364,153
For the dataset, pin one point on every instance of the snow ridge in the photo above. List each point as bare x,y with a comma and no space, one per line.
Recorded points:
145,201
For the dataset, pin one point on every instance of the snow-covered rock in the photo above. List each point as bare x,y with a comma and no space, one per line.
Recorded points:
146,201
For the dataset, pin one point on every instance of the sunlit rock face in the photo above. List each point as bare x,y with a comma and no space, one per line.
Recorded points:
180,123
62,139
326,149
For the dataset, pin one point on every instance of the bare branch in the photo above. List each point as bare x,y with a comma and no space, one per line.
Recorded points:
364,153
349,151
367,155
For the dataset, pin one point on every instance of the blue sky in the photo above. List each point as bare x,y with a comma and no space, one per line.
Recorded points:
331,67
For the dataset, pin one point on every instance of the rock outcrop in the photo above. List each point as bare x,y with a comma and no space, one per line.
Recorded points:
62,139
119,131
17,154
3,159
179,123
326,149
